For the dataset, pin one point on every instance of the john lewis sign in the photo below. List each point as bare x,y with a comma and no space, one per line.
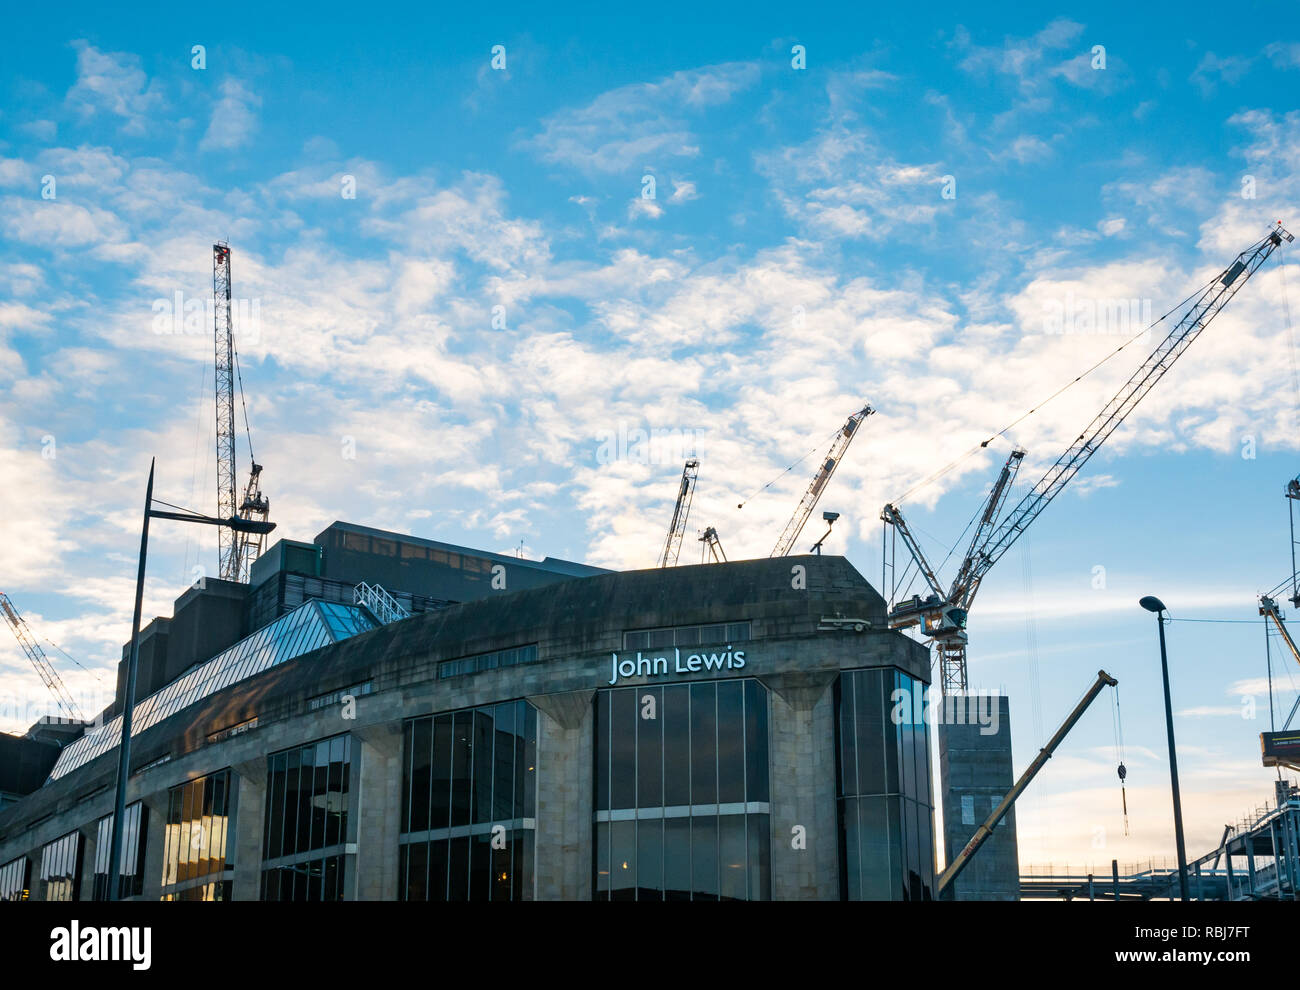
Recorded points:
694,663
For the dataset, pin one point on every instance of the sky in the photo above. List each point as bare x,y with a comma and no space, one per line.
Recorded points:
498,272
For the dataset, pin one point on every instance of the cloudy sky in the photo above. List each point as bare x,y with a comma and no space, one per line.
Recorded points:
483,255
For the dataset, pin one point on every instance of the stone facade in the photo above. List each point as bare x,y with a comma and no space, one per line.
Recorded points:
577,626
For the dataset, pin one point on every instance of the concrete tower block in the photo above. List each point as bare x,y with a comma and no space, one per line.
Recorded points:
976,773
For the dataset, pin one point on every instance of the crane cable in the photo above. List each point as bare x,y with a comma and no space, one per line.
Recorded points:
1117,724
796,464
1068,385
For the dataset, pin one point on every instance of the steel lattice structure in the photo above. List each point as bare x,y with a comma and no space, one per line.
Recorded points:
37,656
839,446
942,615
224,394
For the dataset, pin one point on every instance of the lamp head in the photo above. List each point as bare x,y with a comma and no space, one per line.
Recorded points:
1152,604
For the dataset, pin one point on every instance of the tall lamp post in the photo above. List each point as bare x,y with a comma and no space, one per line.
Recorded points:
238,525
1155,605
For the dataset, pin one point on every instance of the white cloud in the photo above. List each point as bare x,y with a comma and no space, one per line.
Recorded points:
114,82
234,118
639,125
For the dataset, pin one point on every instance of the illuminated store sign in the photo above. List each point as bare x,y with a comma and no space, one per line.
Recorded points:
694,663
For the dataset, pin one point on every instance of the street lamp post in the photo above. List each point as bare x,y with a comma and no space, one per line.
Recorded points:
1155,605
238,525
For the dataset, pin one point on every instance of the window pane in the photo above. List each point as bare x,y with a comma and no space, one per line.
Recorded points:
677,859
704,858
602,751
440,813
460,771
731,743
649,762
458,870
704,769
438,852
482,796
675,713
731,856
480,874
649,859
417,875
601,843
759,833
623,748
622,841
503,870
503,766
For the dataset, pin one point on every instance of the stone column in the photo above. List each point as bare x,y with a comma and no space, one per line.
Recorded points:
805,840
89,835
155,844
244,829
377,778
562,869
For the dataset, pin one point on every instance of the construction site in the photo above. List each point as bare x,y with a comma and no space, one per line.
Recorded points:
371,715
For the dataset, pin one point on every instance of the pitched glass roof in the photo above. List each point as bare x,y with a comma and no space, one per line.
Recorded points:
310,626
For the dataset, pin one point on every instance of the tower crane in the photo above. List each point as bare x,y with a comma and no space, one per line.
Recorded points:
712,547
37,656
237,551
673,545
942,614
829,463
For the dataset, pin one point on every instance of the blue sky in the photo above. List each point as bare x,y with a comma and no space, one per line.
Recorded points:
500,295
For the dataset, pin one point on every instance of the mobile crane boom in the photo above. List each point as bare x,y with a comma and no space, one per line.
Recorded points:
984,831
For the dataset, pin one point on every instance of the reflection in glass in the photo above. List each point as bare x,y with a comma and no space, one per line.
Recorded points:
481,778
195,838
681,792
886,814
306,822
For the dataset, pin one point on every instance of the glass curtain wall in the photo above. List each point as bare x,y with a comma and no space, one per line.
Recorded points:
681,793
469,805
304,853
195,862
15,878
61,868
131,867
886,811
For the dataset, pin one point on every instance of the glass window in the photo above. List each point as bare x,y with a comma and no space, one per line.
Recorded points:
693,754
61,868
886,814
307,791
15,879
483,774
130,867
196,839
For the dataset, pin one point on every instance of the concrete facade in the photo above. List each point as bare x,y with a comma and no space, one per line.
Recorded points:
577,626
975,766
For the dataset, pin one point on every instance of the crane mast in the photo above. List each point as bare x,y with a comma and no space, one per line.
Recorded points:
673,545
237,551
829,463
941,615
224,393
38,658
